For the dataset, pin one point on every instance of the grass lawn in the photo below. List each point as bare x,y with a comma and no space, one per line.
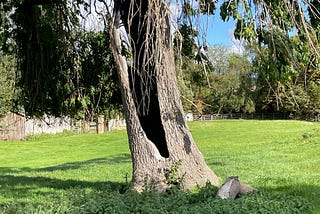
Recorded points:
88,173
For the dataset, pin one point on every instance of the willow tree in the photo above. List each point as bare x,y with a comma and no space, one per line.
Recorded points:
159,138
158,135
163,150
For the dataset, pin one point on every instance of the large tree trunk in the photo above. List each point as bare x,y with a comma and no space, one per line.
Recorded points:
159,138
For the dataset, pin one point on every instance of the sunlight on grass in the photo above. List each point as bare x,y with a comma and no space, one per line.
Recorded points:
273,156
270,155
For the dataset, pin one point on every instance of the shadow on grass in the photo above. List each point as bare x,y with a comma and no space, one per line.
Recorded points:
116,159
23,187
25,194
11,182
310,193
9,170
121,158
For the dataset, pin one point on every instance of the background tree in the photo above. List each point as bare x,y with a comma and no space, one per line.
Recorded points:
192,67
45,40
287,49
97,91
230,82
8,90
62,69
233,71
287,73
7,83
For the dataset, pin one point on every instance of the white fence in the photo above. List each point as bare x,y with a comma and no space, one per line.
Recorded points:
47,124
16,127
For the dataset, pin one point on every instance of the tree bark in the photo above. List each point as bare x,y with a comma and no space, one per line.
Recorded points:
158,135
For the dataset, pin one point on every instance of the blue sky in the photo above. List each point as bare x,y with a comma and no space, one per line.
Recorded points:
220,32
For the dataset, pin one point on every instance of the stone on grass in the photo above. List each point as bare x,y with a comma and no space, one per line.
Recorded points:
233,188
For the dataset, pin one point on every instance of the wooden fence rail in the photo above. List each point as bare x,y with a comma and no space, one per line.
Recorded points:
253,116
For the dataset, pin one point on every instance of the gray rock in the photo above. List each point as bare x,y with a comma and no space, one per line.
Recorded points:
230,189
233,188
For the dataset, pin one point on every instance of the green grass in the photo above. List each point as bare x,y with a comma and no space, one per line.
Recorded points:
87,173
274,156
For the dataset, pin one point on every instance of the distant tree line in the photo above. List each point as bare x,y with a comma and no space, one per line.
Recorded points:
275,74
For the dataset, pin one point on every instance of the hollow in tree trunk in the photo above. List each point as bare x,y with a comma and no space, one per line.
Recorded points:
158,134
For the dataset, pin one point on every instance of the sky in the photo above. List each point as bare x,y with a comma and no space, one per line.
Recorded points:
217,31
220,32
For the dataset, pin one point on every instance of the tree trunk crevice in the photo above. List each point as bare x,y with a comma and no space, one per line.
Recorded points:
149,112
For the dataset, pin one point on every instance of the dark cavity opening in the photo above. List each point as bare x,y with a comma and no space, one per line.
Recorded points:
143,80
149,114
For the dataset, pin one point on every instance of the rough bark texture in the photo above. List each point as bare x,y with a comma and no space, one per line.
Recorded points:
158,134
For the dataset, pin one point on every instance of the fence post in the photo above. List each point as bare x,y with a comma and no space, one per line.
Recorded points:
86,126
100,125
